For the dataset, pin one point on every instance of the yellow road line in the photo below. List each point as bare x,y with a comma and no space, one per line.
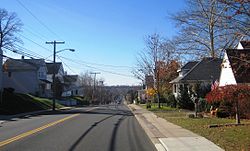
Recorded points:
18,137
5,142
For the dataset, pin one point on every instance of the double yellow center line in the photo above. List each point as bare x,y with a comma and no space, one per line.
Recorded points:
5,142
18,137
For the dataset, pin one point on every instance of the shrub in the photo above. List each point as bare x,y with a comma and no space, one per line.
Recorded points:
184,100
202,105
163,100
232,99
171,101
222,113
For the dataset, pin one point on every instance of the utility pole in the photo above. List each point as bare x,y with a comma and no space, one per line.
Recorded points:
101,91
93,92
54,72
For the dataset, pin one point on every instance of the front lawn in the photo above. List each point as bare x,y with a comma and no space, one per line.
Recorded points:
229,138
15,103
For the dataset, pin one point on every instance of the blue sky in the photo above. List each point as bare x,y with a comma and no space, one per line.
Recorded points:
103,32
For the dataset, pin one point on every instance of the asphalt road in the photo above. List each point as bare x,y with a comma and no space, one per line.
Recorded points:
99,128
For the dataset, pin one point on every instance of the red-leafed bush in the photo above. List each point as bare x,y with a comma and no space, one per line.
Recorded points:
237,95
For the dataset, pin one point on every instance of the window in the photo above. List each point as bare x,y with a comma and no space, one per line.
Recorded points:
175,87
41,74
9,74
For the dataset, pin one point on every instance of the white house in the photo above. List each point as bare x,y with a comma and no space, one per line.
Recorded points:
57,68
227,75
235,67
26,76
72,86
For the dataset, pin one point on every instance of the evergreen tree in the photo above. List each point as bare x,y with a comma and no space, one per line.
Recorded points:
184,100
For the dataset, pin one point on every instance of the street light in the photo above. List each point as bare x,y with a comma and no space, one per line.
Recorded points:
54,63
72,50
54,75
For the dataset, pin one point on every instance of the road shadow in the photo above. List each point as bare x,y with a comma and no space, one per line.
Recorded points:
114,133
105,110
73,147
118,112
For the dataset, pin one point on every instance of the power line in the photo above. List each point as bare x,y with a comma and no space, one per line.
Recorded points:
106,65
80,63
18,60
36,34
25,49
54,74
36,43
67,66
21,53
39,21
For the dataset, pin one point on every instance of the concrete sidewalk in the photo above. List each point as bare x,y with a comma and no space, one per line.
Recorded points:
170,137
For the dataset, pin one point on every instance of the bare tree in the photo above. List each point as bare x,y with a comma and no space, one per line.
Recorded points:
238,7
86,82
158,52
206,28
9,26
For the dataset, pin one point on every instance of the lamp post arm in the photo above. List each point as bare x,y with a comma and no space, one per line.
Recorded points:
64,50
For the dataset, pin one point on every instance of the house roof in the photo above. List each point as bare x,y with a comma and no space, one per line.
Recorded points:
23,64
240,64
70,78
245,44
189,65
208,69
51,67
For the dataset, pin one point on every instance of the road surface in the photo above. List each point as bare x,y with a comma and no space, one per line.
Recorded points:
97,128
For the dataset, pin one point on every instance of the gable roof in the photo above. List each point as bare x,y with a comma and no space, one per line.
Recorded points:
189,65
240,63
208,69
70,78
245,44
51,67
23,64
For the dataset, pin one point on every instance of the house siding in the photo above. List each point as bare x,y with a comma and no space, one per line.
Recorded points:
22,82
42,73
226,76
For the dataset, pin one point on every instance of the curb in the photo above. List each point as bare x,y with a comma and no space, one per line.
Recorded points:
158,144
